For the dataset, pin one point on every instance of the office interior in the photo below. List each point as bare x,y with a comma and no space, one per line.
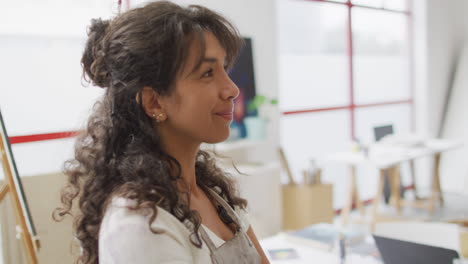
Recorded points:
335,75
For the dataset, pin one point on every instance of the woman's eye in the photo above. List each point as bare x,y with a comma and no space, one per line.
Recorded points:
208,73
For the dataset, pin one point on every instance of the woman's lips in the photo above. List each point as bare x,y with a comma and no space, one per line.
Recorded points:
226,115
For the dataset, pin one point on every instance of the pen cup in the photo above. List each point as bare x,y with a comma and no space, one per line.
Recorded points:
305,205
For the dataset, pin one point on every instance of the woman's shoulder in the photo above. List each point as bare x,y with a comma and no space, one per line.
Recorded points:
125,236
119,214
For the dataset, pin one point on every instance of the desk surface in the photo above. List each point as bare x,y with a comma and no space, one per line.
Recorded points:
309,254
386,155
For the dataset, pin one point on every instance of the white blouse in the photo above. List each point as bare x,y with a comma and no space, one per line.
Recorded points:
125,237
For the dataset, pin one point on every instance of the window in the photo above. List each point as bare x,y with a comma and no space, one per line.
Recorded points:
41,93
345,68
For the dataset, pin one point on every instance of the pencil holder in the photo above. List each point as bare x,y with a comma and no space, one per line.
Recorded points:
307,204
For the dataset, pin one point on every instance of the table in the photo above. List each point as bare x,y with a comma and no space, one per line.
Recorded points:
308,254
386,157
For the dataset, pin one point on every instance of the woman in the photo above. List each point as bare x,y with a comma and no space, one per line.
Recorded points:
146,192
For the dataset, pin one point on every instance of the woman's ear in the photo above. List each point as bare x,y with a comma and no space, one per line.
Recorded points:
150,101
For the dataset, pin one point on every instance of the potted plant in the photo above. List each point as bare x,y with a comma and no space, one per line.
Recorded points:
254,122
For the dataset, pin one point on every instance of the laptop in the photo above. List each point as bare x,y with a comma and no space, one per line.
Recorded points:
394,251
382,131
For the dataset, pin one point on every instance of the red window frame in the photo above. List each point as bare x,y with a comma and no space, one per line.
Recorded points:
352,106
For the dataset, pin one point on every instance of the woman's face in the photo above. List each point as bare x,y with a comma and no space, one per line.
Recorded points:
201,108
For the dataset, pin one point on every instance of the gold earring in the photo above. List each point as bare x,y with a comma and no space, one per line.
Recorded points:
158,117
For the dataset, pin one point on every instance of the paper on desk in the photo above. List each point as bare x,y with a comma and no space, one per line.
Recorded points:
306,254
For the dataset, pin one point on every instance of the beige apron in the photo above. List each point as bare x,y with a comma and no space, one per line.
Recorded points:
238,249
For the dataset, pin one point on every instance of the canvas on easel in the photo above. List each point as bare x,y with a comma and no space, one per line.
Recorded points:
13,188
242,74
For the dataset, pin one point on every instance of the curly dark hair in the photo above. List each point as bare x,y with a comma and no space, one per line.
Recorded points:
119,153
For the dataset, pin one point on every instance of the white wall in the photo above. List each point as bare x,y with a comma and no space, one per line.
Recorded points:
454,168
446,21
41,43
439,30
440,27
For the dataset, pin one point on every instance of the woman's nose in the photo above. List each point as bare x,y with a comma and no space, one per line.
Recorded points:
230,91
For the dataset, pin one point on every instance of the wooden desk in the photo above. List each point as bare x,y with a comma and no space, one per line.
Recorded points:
387,158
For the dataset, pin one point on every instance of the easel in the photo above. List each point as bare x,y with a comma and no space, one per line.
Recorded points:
11,187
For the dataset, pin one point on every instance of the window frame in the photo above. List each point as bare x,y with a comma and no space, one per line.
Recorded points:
352,106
